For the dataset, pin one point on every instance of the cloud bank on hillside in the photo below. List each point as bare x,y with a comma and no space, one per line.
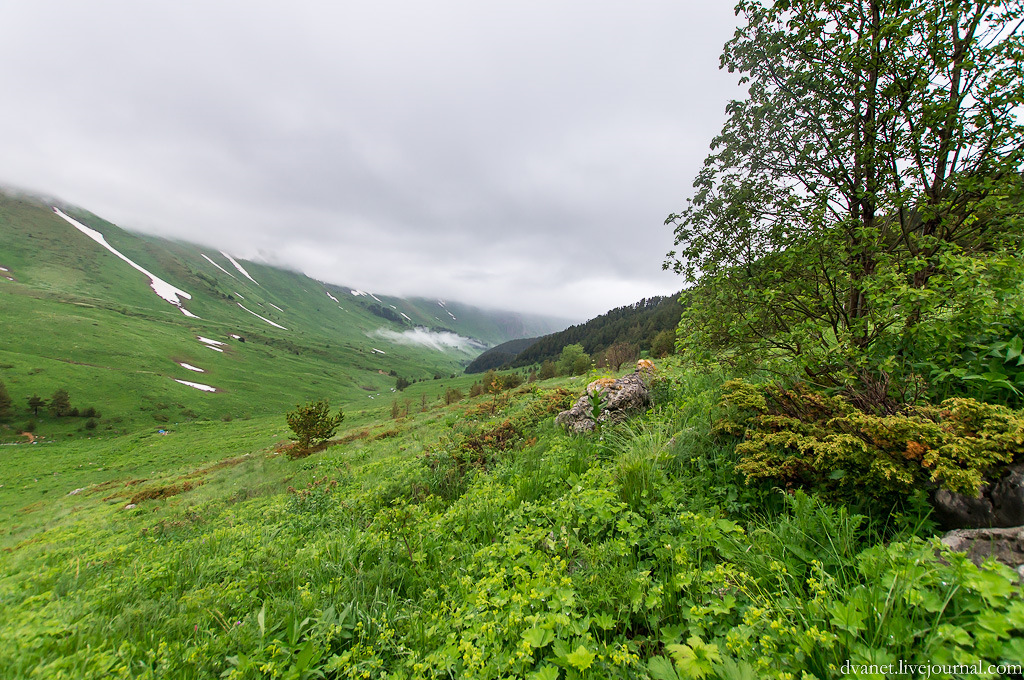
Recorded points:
442,341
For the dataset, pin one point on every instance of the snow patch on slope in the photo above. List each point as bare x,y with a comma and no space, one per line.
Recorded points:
159,286
239,267
263,318
190,367
198,386
218,266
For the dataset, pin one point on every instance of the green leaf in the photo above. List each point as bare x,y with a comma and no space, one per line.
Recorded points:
604,621
848,617
582,658
995,622
1014,348
546,673
261,620
992,585
661,668
737,670
304,656
694,659
539,637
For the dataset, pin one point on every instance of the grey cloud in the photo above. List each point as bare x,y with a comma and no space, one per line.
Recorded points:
517,154
437,340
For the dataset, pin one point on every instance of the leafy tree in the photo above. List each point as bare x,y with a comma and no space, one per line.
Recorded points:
856,199
401,383
35,402
6,403
573,361
312,422
547,370
664,344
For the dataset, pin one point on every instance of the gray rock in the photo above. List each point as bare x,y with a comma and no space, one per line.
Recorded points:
1000,504
1006,544
619,399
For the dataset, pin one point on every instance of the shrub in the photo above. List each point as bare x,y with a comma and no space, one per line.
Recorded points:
312,422
801,438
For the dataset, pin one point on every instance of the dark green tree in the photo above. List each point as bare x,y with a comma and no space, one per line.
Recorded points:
60,403
35,402
6,403
855,207
313,423
664,344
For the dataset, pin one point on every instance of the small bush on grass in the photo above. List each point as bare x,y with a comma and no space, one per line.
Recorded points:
313,423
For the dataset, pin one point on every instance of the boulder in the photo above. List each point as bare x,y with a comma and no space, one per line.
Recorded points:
998,504
1006,544
619,399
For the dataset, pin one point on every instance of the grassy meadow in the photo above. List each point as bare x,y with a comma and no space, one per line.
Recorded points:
471,540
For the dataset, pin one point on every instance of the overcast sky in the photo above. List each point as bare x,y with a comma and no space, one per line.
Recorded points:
520,155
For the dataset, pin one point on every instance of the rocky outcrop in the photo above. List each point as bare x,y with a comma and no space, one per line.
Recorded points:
1006,544
618,399
1000,504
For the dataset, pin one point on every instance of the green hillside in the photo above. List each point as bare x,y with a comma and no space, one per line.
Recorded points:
75,316
467,540
638,324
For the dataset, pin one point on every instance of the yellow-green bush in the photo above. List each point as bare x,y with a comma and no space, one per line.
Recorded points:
801,438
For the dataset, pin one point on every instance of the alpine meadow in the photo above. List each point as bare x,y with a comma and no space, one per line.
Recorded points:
807,465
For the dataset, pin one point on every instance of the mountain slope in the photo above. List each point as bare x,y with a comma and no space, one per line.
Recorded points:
499,356
84,305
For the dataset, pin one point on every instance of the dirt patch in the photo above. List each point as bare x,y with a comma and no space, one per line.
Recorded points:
294,451
226,463
158,492
499,438
113,483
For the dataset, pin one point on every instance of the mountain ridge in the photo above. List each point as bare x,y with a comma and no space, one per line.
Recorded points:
83,310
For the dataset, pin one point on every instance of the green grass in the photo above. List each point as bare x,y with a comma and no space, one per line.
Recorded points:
433,546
